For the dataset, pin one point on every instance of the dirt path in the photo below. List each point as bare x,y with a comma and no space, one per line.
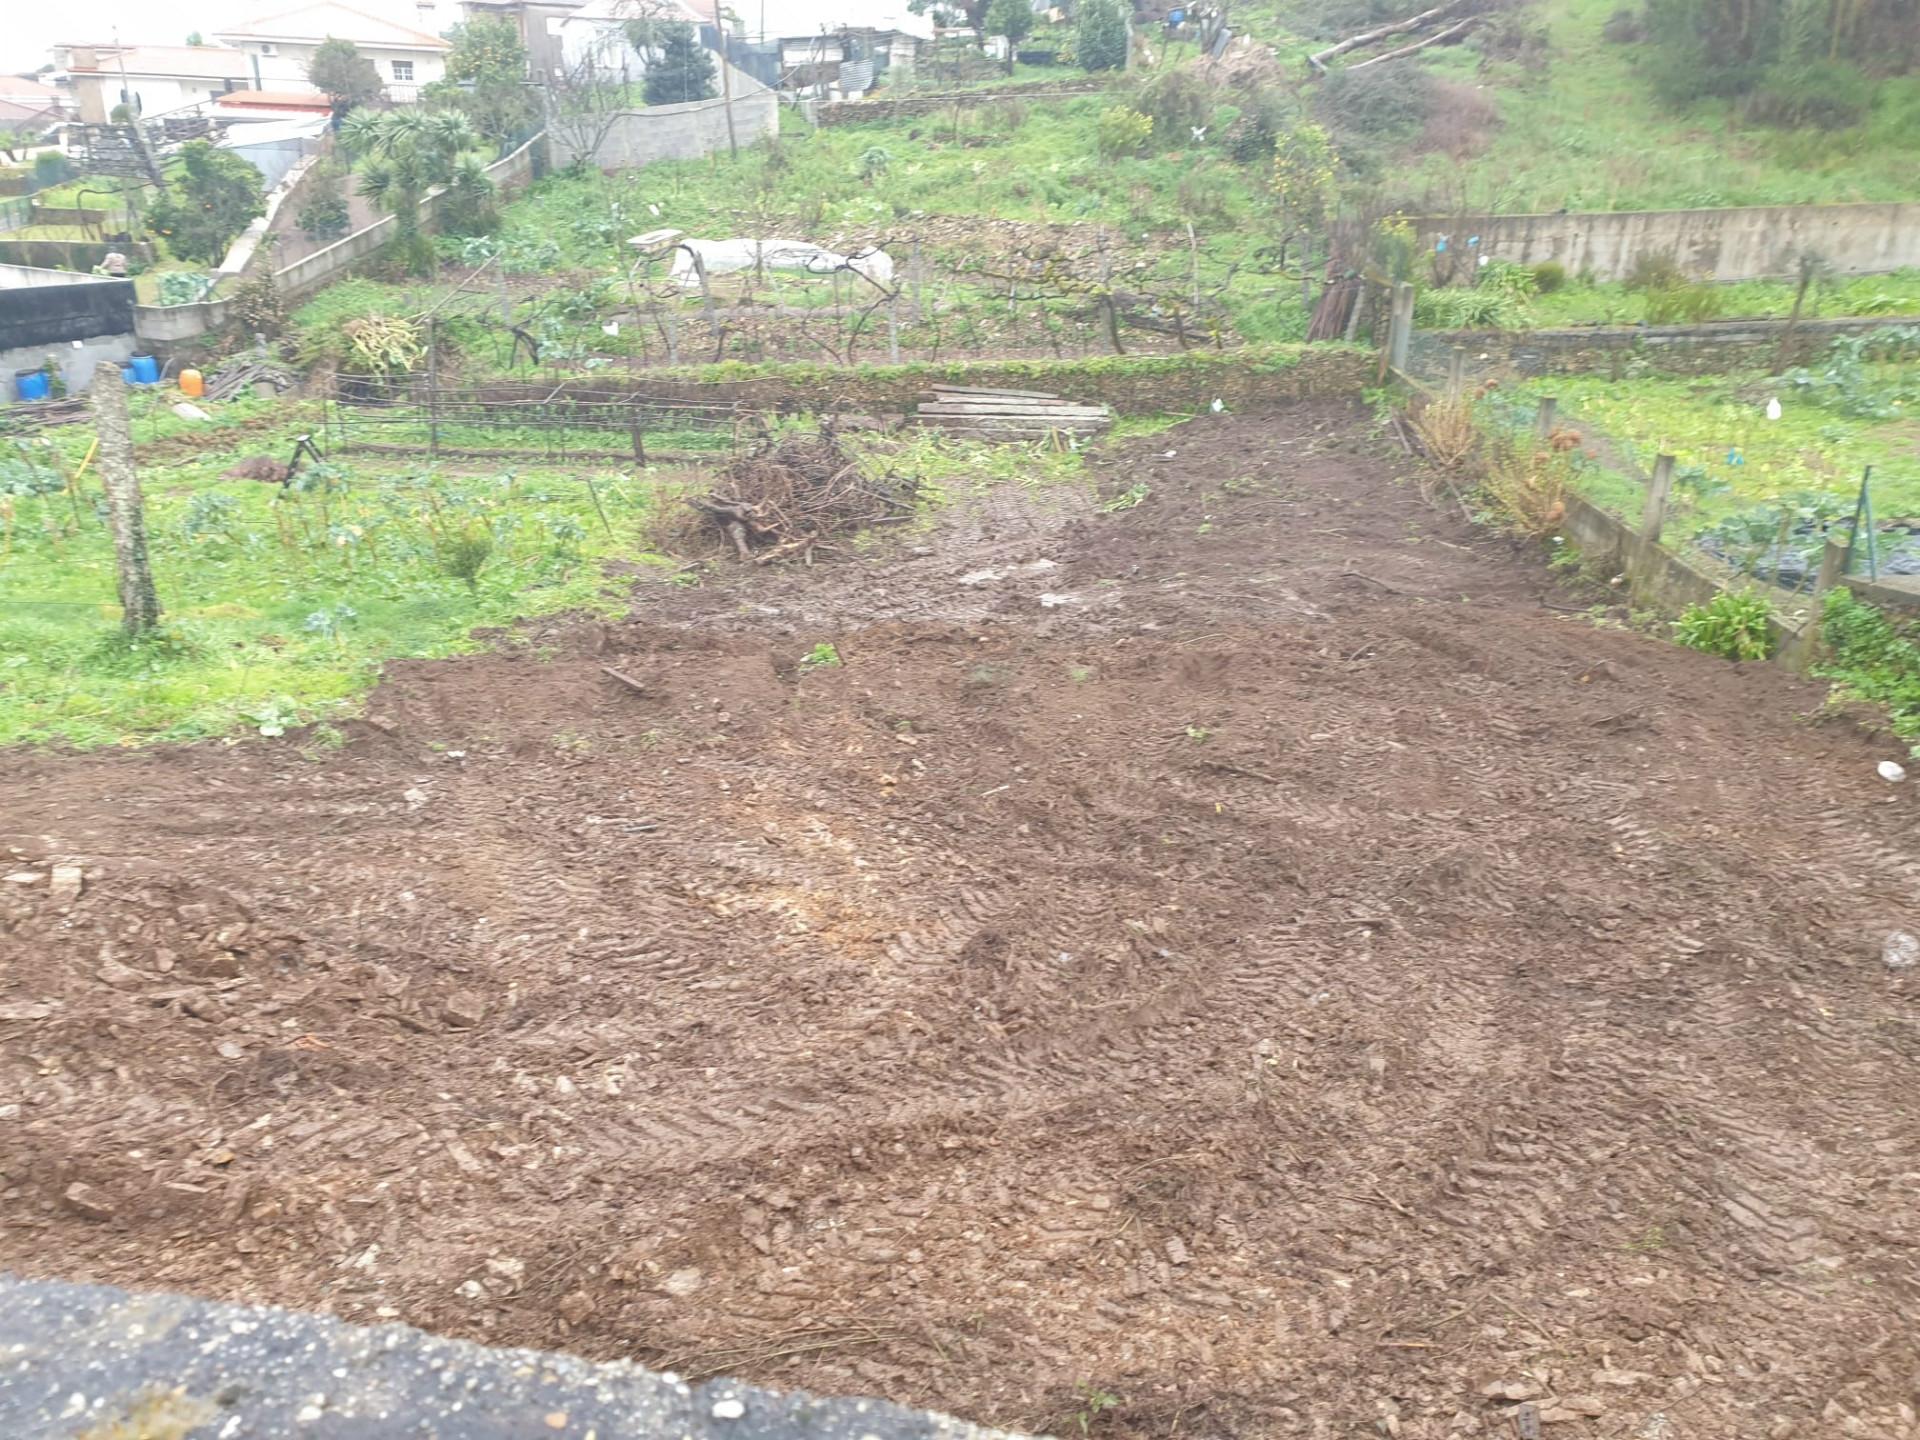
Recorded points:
1243,957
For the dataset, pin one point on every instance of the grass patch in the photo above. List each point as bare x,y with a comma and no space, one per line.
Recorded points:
1870,657
1587,132
281,606
1731,458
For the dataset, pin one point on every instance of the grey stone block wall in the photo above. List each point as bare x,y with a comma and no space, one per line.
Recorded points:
77,1361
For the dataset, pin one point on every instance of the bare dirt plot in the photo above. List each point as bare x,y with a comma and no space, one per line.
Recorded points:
1242,958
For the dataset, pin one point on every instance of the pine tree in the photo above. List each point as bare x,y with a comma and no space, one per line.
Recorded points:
1101,40
684,70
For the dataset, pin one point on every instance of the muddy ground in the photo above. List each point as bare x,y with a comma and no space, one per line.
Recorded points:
1240,966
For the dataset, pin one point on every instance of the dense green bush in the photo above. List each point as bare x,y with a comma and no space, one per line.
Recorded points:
1732,625
1101,39
1549,276
1123,131
1870,658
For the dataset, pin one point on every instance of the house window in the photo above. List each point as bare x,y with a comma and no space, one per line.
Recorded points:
403,70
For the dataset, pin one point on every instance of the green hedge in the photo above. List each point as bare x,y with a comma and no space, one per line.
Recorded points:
1131,384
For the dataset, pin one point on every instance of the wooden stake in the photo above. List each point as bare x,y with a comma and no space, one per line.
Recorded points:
1654,517
139,604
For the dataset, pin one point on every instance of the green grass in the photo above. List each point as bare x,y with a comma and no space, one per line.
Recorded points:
281,609
1589,134
1709,424
1576,304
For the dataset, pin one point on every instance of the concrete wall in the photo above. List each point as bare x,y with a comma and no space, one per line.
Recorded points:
1750,243
681,132
76,359
43,308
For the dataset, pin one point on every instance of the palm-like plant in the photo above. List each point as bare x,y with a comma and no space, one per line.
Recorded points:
405,153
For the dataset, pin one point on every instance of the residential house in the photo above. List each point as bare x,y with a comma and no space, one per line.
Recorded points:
279,47
538,24
27,104
597,32
153,79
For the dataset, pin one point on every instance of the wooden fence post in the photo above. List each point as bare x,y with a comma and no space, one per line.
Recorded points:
1654,517
1543,421
1457,372
126,514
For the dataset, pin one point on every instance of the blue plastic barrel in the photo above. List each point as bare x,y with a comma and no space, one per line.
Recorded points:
126,374
146,370
32,384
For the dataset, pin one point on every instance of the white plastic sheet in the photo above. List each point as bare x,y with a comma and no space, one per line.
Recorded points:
729,257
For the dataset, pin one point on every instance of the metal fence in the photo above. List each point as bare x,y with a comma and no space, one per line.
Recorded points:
556,423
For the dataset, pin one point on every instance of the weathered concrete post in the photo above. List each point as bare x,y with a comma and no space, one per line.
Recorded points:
1457,372
1400,330
1654,517
126,513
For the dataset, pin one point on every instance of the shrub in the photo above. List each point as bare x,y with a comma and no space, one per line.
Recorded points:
1383,103
1122,131
1459,120
1624,27
1480,308
324,216
50,168
1732,625
1511,38
1654,270
1824,95
258,308
463,553
1524,489
1868,657
1549,276
1687,303
1101,38
1176,101
208,203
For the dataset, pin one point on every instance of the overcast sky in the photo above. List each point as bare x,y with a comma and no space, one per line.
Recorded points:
32,27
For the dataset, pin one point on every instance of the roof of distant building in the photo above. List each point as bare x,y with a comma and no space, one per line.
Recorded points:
305,102
328,19
14,112
623,10
200,62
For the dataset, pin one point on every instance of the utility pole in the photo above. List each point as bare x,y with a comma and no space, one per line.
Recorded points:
126,515
726,78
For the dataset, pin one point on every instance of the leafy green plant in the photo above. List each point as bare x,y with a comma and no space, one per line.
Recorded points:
1100,39
1122,131
209,203
821,657
1732,625
1127,498
1549,276
183,287
1870,658
466,551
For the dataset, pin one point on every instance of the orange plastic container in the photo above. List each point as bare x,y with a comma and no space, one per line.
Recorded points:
192,384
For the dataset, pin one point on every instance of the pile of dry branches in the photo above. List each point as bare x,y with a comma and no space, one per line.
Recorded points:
793,494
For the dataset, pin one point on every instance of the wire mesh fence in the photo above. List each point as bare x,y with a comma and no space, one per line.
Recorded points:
557,423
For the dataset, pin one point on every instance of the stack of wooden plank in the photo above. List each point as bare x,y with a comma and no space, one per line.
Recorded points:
1015,415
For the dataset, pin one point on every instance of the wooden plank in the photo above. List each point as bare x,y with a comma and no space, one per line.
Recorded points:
1082,422
1068,410
988,390
1007,402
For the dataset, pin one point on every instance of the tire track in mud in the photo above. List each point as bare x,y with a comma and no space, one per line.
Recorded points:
1240,1008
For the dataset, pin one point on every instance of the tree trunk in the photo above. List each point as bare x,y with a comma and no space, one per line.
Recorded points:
139,605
